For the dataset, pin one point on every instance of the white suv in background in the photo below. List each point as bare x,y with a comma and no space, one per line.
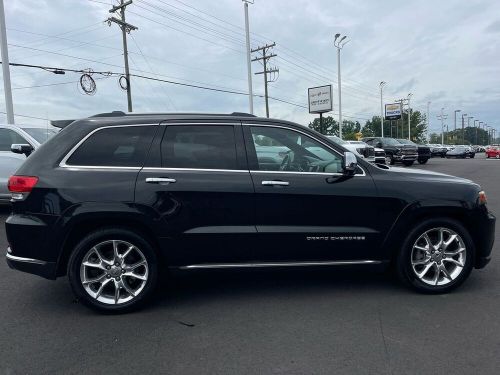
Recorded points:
357,147
31,136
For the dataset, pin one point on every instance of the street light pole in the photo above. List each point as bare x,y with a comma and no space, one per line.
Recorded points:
464,115
480,122
468,125
339,43
9,107
409,116
475,127
382,84
249,63
428,120
455,132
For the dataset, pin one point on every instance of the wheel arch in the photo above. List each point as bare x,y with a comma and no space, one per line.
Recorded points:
88,221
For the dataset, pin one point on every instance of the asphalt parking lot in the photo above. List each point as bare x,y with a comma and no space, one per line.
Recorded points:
281,322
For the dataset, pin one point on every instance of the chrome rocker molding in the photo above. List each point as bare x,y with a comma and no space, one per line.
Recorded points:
278,264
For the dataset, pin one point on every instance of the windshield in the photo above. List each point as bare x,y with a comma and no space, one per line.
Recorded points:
337,140
390,142
406,142
40,134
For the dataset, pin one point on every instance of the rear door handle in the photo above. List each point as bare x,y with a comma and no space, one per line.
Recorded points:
160,180
275,183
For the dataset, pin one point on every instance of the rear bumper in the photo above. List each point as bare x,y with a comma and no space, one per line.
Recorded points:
485,237
29,265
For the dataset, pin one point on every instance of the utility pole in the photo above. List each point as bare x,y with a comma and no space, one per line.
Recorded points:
264,58
339,43
126,29
409,116
468,125
475,128
249,63
9,107
442,117
382,84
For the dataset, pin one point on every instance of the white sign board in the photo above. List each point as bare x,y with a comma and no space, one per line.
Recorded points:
393,111
320,99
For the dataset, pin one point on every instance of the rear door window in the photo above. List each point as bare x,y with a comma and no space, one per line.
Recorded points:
199,147
120,146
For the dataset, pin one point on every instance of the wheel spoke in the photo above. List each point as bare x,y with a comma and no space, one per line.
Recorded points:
454,253
101,288
425,270
127,252
428,240
445,272
94,265
421,261
127,288
135,265
95,279
435,280
101,258
135,276
454,261
116,256
117,291
452,238
425,249
441,237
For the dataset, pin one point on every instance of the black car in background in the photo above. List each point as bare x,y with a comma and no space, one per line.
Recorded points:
113,200
395,151
424,152
461,152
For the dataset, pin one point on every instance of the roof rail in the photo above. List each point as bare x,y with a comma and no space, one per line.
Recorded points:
111,114
242,114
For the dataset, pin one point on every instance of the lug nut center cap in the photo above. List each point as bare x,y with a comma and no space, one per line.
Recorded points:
115,271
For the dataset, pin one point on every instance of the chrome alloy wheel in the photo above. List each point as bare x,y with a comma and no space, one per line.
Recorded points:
114,272
438,256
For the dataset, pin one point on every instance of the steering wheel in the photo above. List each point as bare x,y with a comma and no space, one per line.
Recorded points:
286,163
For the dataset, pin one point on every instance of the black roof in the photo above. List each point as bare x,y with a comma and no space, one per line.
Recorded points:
119,117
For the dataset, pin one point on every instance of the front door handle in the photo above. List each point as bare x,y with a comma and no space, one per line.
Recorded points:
160,180
275,183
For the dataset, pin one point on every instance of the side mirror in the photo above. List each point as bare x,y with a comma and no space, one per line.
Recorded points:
25,149
349,163
379,145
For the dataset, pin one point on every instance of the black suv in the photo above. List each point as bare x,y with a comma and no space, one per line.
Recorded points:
395,151
113,199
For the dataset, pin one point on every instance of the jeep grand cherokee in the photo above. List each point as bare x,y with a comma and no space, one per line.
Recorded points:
113,199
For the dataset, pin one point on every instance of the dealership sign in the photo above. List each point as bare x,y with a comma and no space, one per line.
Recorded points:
393,111
320,99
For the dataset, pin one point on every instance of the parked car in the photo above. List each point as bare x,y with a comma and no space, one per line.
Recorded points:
438,150
357,147
493,152
394,150
458,152
10,160
424,152
113,199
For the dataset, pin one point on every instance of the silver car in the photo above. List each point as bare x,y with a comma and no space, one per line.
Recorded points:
29,135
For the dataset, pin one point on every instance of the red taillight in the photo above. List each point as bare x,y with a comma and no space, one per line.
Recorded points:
22,184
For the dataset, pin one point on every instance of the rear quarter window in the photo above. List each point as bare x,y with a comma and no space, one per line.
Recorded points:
125,146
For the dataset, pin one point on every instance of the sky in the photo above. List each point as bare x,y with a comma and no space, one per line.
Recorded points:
444,52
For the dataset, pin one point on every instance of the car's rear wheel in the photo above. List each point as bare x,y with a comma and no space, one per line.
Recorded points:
389,160
497,156
408,163
113,270
436,257
422,161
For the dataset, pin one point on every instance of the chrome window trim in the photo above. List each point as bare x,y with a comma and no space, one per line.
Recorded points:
194,169
278,264
310,136
64,160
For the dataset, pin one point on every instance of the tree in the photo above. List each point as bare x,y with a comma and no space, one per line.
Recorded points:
399,128
330,126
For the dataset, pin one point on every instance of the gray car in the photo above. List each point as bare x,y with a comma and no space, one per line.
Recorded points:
10,161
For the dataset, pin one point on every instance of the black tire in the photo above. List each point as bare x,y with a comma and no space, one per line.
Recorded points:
392,160
408,163
108,234
403,261
422,161
472,156
487,156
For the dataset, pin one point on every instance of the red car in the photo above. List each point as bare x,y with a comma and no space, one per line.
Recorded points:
493,152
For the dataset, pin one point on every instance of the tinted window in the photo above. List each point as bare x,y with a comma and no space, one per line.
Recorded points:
199,146
115,147
281,149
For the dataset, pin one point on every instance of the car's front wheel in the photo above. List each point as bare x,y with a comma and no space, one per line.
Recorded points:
422,161
113,270
436,257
